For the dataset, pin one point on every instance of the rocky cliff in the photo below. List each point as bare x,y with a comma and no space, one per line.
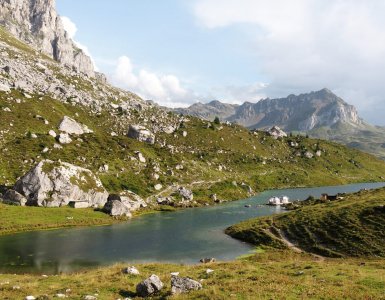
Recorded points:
319,114
37,23
295,113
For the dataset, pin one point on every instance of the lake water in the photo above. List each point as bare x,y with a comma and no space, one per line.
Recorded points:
180,237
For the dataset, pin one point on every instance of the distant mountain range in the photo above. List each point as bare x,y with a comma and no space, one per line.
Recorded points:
321,114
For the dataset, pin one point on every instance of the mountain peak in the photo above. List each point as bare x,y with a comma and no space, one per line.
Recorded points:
303,112
37,23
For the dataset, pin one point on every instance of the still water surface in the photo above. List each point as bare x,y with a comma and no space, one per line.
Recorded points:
179,237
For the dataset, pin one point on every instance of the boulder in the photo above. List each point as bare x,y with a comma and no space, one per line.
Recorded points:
131,271
181,285
141,134
64,138
4,88
186,194
116,208
56,184
52,133
70,126
308,154
277,132
14,198
207,260
131,200
150,286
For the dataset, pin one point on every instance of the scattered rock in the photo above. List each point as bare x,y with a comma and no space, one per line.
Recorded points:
104,168
181,285
64,138
4,88
141,133
30,298
158,187
207,260
209,271
308,154
277,132
131,271
70,126
149,286
52,133
90,297
186,194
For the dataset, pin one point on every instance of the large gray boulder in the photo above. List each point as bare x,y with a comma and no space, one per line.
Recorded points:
277,132
55,184
186,194
141,133
70,126
14,198
150,286
116,208
181,285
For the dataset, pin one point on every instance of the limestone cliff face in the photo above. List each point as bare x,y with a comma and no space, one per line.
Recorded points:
37,23
295,113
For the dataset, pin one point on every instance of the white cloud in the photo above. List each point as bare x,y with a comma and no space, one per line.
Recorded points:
69,26
71,29
304,45
164,89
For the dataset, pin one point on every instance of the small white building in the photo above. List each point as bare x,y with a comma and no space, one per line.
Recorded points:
276,201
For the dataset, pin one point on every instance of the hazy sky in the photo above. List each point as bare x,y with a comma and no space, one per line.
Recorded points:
177,52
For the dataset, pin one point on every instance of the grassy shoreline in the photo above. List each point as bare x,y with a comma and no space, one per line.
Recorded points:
269,275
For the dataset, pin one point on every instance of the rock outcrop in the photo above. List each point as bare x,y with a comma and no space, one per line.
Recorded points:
150,286
54,184
115,208
181,285
70,126
37,23
141,134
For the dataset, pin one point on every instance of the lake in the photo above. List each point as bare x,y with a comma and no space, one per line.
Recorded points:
184,236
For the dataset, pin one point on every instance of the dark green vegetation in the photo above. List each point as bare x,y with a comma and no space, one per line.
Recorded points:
269,275
353,226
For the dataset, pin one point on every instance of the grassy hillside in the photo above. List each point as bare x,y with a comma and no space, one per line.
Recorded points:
365,137
273,275
212,158
353,226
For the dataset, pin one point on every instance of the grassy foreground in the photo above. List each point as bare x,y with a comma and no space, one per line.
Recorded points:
271,275
353,226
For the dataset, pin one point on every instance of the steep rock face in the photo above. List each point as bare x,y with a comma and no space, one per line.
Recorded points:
37,23
303,112
210,110
55,184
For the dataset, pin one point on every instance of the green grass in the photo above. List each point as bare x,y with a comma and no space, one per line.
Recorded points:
268,275
17,219
353,226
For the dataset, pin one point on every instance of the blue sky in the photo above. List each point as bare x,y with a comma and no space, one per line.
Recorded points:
177,52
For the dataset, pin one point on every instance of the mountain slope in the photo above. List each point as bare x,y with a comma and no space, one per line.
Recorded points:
320,114
37,93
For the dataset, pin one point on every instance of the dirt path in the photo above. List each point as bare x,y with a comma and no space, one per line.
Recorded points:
168,190
283,238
